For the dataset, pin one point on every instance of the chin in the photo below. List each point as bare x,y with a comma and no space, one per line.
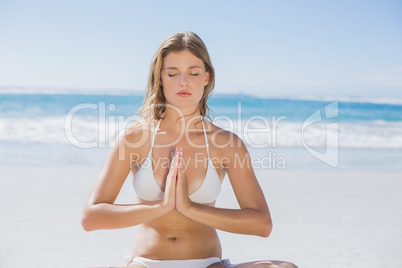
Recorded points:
184,104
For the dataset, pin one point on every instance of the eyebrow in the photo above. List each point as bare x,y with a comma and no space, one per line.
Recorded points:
191,67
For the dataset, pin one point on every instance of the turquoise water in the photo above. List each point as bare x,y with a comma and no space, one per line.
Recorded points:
56,126
28,105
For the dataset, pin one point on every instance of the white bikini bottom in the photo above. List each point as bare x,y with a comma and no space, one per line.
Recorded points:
193,263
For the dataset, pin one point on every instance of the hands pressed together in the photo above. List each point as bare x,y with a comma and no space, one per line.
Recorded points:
176,190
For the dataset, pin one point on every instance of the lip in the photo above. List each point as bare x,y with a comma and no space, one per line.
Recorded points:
184,93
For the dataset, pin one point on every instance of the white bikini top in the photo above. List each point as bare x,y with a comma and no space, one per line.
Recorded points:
147,188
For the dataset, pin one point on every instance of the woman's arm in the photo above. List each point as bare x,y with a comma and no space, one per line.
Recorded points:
253,217
100,212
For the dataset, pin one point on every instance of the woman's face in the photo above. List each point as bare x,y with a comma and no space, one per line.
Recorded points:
183,80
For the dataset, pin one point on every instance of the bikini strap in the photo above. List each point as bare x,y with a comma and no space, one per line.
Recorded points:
156,130
205,135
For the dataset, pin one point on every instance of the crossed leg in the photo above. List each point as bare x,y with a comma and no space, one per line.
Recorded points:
256,264
253,264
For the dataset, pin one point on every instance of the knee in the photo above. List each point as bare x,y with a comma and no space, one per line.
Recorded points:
287,265
274,264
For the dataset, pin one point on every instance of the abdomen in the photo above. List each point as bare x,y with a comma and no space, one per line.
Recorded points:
174,236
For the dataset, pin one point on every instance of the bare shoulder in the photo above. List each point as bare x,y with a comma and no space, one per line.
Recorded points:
230,149
228,142
136,140
137,133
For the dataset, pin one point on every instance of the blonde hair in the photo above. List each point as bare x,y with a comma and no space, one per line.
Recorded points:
153,106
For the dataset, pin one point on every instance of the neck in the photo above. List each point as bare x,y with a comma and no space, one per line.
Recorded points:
178,120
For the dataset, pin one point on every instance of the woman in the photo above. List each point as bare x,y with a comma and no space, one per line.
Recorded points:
179,160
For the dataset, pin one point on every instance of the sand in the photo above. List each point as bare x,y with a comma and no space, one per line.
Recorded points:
321,219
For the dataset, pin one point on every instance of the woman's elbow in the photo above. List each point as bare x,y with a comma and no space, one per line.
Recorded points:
87,221
266,227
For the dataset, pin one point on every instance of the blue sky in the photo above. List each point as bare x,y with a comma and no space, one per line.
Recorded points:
266,48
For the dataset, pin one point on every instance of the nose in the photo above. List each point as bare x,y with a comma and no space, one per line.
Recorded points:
183,80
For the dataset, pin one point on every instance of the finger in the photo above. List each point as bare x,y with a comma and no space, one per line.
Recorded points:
179,180
173,164
178,176
178,166
181,167
181,160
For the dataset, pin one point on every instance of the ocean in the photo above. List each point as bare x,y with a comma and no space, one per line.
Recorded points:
311,133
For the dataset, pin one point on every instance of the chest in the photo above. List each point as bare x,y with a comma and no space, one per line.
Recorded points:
197,160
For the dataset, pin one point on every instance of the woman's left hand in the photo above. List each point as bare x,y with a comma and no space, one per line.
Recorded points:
183,201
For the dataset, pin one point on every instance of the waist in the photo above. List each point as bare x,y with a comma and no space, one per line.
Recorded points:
176,244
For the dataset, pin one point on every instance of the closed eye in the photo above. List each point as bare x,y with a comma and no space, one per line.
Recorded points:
171,75
194,74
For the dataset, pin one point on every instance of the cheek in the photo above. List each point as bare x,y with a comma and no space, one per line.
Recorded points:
166,92
168,82
200,80
169,88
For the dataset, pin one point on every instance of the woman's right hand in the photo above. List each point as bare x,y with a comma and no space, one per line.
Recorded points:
169,197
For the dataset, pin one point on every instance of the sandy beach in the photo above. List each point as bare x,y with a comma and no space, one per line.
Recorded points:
321,219
313,89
